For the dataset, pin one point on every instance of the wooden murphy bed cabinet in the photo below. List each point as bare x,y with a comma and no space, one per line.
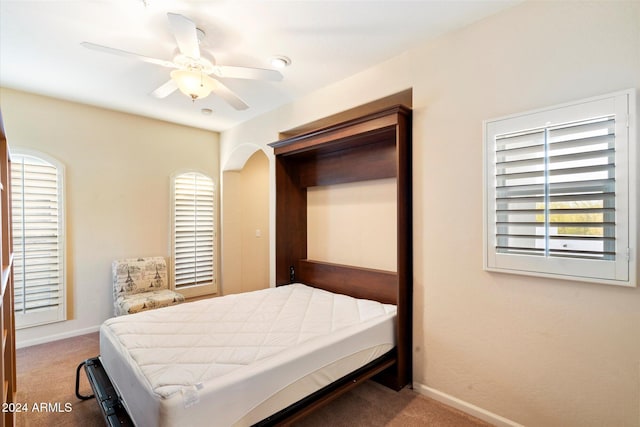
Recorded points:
8,355
373,146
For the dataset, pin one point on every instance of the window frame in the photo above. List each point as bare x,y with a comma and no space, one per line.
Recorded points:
623,270
28,320
192,291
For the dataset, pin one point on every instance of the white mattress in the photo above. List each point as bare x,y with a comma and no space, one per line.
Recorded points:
236,359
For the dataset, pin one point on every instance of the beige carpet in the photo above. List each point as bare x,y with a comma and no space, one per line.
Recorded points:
46,374
46,381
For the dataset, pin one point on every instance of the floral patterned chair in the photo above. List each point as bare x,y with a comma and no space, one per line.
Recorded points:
141,284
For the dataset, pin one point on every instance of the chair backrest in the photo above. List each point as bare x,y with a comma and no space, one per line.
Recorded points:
137,275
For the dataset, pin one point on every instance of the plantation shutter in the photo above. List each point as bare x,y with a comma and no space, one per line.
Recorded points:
37,241
555,191
561,192
193,230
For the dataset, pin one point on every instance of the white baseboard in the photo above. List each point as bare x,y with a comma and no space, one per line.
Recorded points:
56,337
465,407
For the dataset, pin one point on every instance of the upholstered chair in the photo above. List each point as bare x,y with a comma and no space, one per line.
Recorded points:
141,284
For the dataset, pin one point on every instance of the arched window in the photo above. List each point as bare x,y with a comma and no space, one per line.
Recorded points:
37,203
193,236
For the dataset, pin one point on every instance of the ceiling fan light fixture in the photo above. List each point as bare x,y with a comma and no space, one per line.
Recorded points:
193,83
280,61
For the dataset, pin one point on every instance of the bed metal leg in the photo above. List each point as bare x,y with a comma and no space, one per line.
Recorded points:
78,395
115,414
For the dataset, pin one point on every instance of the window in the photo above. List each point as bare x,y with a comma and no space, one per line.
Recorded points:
193,251
37,202
560,191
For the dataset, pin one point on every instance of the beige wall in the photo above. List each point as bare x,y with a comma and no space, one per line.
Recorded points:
354,224
245,227
117,181
540,352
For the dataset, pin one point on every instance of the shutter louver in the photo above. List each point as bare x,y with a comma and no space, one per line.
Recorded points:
37,241
194,230
555,191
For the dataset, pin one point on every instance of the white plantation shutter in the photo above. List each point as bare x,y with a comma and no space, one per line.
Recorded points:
555,191
558,199
38,240
194,233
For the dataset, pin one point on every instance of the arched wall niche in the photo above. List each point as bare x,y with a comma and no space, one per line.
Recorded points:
245,221
240,155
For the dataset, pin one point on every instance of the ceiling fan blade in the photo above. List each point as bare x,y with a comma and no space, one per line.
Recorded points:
228,95
166,89
126,54
184,30
246,73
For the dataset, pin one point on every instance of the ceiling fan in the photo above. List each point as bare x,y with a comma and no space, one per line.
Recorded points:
192,71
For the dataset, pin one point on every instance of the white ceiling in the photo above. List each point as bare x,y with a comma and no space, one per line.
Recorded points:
327,41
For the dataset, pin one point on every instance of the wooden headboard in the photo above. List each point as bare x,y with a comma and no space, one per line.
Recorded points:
374,146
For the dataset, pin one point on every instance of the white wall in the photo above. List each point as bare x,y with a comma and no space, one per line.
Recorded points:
539,352
118,192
